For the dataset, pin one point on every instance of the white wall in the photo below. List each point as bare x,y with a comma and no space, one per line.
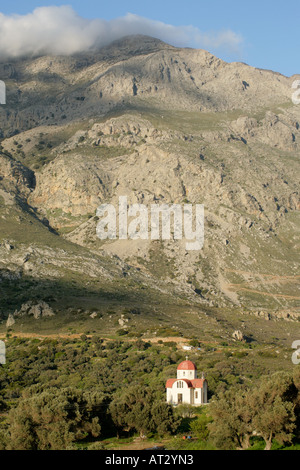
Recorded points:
198,400
185,391
204,393
188,394
186,374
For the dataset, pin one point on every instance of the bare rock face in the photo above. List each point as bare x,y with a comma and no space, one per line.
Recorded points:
122,321
16,180
159,125
10,321
135,71
238,335
76,192
227,170
36,309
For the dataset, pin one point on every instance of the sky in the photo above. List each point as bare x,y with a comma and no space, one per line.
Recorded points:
262,33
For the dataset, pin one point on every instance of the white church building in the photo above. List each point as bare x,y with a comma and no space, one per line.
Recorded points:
187,388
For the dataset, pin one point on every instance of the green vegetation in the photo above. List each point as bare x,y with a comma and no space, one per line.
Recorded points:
92,393
159,264
270,410
98,151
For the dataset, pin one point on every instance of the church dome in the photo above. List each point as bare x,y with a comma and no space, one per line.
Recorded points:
186,365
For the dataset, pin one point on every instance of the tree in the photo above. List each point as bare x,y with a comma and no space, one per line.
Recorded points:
132,411
163,418
232,419
200,426
185,410
139,410
267,409
272,405
53,420
275,420
296,381
3,405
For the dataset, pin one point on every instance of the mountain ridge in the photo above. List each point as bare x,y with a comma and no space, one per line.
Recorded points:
158,124
160,76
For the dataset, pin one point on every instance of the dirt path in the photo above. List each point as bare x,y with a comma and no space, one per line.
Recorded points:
263,279
259,275
178,340
39,336
237,287
141,444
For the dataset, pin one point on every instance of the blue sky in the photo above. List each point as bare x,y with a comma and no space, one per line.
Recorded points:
262,33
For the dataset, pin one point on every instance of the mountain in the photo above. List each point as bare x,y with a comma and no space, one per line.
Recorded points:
136,72
158,124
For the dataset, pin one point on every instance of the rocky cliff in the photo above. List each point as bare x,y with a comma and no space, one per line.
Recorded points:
157,124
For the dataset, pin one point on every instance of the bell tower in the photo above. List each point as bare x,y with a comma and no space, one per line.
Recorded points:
187,370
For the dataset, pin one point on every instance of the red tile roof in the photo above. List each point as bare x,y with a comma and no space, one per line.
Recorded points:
195,383
186,365
198,383
170,382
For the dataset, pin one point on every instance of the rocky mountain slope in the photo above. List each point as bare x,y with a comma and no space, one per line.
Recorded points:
157,124
136,72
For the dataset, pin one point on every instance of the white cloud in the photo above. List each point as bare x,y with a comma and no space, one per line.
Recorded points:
60,30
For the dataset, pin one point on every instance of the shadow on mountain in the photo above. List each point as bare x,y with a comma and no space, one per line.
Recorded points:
70,298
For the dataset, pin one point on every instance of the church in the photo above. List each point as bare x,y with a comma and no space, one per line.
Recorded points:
187,388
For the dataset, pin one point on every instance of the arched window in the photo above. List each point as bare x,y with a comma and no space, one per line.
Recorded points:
179,384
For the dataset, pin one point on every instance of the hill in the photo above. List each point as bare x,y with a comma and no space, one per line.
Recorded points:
158,124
